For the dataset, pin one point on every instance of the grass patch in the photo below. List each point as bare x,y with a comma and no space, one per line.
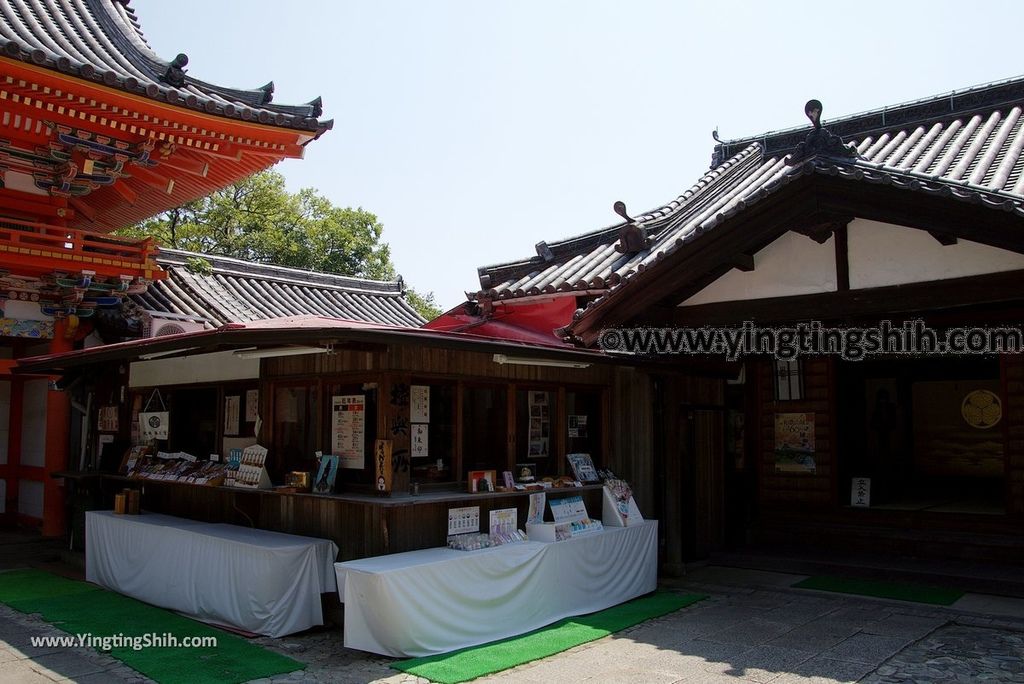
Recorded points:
901,591
82,608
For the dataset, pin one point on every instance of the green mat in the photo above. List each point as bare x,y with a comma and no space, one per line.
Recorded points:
476,661
902,591
81,608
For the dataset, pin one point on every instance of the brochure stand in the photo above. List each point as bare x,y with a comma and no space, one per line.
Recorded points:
618,510
571,520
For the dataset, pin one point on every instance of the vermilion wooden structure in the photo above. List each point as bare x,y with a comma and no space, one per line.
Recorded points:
98,132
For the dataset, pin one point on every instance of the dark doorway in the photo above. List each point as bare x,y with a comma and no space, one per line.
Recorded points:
925,431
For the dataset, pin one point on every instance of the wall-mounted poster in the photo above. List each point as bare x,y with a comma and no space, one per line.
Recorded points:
232,414
794,443
252,405
418,444
348,430
419,403
577,426
540,424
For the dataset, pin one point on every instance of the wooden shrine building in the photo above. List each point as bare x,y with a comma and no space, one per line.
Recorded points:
912,212
98,132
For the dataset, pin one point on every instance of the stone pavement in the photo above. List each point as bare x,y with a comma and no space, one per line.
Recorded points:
752,628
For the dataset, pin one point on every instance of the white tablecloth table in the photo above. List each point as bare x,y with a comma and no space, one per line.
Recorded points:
438,600
260,581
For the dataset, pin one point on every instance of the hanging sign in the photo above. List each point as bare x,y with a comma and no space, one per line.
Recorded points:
154,425
348,430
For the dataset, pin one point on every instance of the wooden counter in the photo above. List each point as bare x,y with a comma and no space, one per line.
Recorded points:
361,525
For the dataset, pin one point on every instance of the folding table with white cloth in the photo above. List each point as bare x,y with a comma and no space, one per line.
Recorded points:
438,600
256,580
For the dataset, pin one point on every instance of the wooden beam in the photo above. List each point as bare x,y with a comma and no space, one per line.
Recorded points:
126,193
944,239
82,208
993,288
842,244
177,161
665,278
37,206
945,215
743,262
151,178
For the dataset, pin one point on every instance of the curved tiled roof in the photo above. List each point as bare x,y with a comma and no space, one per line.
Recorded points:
102,41
237,291
967,146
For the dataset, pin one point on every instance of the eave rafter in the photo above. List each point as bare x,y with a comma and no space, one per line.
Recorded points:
74,102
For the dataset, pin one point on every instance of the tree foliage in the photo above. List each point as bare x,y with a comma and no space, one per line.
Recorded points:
257,219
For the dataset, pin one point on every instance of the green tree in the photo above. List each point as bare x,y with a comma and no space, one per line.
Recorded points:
257,219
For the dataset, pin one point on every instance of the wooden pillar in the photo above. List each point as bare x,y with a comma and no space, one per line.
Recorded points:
14,448
58,415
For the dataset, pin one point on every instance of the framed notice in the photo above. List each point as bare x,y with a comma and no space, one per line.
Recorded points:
794,443
348,430
419,403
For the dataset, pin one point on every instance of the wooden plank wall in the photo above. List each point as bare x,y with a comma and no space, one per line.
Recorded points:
402,363
1013,416
799,490
632,436
692,466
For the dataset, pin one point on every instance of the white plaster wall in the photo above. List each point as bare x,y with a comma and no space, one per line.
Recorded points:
30,498
33,423
5,418
883,254
792,265
215,367
25,311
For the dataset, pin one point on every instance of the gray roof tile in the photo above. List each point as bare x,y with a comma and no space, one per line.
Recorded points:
967,145
101,41
240,292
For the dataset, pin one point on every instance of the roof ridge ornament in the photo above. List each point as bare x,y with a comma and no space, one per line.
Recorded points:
175,74
632,235
820,141
268,92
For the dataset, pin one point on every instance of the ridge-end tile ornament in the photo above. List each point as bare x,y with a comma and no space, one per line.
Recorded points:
820,141
632,236
175,74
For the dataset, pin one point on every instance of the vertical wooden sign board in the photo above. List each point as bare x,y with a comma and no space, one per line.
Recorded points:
382,467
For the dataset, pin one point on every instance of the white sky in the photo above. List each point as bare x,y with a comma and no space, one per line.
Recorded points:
475,129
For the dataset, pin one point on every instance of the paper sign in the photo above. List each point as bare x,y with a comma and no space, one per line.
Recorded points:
348,429
252,405
860,492
232,406
463,520
419,404
418,441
